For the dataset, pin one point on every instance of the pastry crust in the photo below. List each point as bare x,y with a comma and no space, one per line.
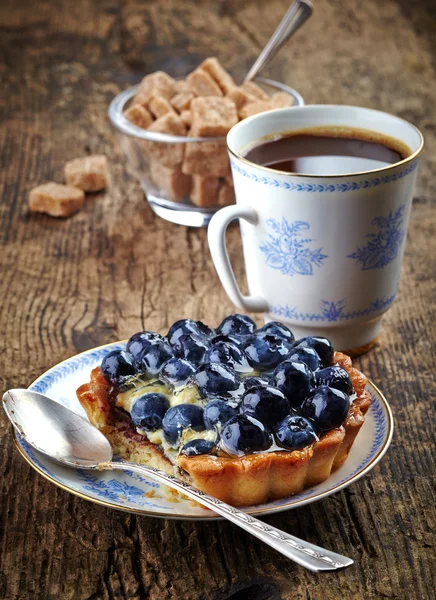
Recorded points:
247,480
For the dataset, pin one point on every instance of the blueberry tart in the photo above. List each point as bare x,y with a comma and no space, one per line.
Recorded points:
244,414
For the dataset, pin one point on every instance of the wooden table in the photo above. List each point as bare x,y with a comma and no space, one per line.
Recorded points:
115,268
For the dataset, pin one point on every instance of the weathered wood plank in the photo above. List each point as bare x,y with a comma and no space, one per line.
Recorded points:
115,268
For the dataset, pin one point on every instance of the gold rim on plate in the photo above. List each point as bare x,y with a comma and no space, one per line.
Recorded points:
261,511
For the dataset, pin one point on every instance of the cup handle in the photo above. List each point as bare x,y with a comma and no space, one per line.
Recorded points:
217,244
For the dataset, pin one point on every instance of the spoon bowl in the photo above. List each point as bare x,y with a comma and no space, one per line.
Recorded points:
56,431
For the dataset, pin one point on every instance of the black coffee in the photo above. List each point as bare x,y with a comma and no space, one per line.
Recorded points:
324,152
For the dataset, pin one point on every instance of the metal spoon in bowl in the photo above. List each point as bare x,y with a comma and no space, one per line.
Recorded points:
296,15
68,438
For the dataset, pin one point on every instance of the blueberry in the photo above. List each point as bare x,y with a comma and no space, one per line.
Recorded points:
198,447
152,359
226,353
213,379
327,407
237,325
140,342
177,371
236,340
266,404
294,379
117,367
243,435
191,347
148,411
279,330
187,326
180,417
265,351
306,355
335,377
322,346
250,382
217,413
294,432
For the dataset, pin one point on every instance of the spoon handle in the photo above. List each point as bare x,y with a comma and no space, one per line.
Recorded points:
295,16
305,554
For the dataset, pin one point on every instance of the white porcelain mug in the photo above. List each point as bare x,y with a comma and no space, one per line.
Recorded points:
322,253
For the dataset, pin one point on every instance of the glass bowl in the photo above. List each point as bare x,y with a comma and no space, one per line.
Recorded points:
167,193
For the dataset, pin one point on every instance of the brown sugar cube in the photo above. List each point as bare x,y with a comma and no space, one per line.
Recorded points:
139,116
56,199
240,97
253,108
155,84
90,173
176,184
226,195
204,190
181,86
186,117
255,90
213,116
169,153
281,100
218,73
229,180
182,101
206,158
202,84
159,106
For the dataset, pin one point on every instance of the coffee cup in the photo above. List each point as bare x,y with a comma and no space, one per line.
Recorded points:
323,250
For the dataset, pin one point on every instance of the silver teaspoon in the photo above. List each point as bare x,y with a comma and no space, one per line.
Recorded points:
296,15
68,438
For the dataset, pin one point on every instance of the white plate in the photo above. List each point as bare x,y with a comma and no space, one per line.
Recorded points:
133,493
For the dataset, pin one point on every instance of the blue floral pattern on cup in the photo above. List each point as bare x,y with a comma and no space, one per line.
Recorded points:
352,186
332,311
287,251
383,246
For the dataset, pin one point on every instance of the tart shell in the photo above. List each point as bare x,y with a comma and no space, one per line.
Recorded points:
247,480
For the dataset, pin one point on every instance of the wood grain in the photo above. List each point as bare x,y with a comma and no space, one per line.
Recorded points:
115,268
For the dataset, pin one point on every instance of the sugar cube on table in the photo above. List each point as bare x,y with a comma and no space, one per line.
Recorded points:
251,88
218,73
171,180
56,199
182,101
202,84
204,190
159,106
155,84
207,159
169,153
212,116
281,100
255,107
89,173
226,195
139,116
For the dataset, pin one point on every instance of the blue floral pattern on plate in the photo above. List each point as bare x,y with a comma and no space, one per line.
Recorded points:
382,247
286,249
132,492
332,311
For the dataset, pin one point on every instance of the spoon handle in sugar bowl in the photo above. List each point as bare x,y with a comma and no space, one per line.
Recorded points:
296,15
